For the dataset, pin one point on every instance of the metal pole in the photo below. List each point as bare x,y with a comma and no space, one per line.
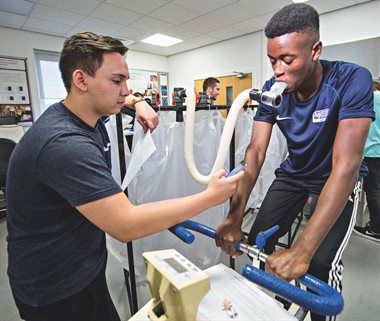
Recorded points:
131,263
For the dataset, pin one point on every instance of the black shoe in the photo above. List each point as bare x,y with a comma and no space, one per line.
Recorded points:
3,214
367,233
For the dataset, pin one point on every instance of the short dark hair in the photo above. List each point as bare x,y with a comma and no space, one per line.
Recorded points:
210,82
375,85
85,50
297,17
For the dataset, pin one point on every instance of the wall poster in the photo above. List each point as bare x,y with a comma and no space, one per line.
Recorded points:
151,84
14,90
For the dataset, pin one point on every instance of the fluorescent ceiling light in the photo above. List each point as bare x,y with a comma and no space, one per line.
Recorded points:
161,40
299,1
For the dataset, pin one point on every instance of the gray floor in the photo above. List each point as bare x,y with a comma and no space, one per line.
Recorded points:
361,282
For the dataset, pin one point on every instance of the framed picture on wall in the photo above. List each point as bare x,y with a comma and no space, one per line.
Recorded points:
14,90
151,84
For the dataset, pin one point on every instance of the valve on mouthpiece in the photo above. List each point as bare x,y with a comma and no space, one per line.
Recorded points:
273,97
266,97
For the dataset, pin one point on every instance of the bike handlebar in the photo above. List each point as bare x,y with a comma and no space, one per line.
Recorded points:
325,301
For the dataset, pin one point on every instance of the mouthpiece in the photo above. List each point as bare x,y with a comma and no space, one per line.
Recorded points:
273,97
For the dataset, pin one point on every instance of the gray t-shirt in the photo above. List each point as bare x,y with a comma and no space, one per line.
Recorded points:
60,163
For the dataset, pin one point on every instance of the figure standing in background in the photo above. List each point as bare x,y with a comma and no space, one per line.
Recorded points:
372,180
211,86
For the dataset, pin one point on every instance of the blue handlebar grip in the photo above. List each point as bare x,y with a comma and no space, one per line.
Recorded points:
262,237
327,301
198,227
185,235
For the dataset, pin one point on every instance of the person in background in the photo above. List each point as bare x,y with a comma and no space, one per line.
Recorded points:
325,115
62,198
211,86
372,180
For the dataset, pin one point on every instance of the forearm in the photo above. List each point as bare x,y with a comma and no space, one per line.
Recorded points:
347,157
118,217
229,232
331,202
254,161
145,115
165,214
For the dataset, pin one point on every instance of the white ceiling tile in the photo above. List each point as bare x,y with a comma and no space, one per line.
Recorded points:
250,25
202,40
99,25
226,33
230,14
141,6
127,42
57,15
267,16
151,24
323,6
168,51
132,33
44,26
174,14
75,30
12,20
181,33
202,24
80,7
202,6
181,47
141,46
115,14
20,7
79,29
260,7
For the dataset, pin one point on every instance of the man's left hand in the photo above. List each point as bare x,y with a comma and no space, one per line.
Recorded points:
146,116
287,264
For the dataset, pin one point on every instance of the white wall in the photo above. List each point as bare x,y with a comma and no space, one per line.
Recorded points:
18,43
365,53
146,61
248,53
351,24
238,54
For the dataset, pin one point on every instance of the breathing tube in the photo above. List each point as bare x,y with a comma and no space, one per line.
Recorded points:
273,98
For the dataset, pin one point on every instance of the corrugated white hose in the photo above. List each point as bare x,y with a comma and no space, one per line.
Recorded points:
225,140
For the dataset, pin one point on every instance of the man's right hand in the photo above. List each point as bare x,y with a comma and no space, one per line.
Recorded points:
228,234
220,187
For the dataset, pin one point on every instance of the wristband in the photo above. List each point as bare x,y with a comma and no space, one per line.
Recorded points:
137,100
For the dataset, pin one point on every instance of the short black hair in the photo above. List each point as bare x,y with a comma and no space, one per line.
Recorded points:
297,17
376,85
210,82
